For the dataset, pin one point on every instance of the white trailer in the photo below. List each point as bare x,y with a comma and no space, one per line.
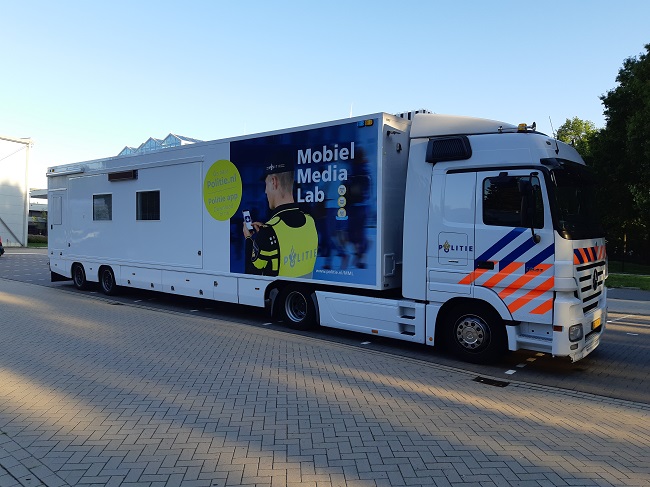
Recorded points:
470,233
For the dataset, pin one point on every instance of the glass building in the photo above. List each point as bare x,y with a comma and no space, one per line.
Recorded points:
153,144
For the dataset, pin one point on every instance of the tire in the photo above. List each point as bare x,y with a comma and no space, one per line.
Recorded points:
297,308
79,277
107,281
475,333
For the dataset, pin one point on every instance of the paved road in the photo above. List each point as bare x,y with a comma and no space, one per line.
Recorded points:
619,368
98,393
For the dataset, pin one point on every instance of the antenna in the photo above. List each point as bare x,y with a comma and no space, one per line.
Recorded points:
351,104
557,147
552,128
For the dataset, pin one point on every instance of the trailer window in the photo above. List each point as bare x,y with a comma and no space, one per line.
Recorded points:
102,207
147,205
502,202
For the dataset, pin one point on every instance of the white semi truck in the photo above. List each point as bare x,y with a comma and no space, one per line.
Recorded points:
470,234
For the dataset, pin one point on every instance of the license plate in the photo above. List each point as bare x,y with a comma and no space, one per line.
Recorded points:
595,324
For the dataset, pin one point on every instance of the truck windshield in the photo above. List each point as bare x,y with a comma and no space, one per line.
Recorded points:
573,202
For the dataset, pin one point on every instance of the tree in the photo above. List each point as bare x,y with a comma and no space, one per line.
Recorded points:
620,153
578,133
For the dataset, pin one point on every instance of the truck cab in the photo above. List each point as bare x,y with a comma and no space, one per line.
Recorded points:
500,240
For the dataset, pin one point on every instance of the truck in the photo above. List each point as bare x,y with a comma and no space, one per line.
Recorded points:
473,235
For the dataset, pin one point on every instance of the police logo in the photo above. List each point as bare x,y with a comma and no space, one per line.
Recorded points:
292,257
446,246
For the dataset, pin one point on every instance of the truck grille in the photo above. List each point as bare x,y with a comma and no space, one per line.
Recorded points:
590,271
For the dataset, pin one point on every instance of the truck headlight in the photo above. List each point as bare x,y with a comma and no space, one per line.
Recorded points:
575,333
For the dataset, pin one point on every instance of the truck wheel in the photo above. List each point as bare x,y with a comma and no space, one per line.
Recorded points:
79,277
475,335
297,308
107,281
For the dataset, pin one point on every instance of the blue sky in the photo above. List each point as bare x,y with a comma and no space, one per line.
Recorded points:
83,79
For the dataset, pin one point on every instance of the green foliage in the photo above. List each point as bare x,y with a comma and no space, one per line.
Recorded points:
621,267
37,239
627,111
619,155
578,133
628,280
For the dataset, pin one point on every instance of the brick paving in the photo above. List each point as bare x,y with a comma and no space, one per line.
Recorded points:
96,393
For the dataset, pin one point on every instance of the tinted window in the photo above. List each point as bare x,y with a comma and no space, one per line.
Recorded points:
503,201
147,205
103,207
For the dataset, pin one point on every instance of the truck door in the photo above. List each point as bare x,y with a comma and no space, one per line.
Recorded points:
451,235
514,248
56,232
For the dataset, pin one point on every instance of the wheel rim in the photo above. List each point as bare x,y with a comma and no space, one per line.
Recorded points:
295,307
472,333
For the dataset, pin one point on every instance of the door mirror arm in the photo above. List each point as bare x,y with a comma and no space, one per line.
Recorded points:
528,205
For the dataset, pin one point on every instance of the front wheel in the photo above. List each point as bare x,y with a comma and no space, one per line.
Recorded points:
475,334
297,309
79,277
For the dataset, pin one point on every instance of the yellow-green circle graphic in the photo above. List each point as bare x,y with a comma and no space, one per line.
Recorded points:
222,190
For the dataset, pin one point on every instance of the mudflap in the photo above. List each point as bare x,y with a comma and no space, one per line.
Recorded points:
54,277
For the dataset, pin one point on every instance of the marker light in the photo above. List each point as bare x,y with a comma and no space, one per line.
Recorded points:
522,127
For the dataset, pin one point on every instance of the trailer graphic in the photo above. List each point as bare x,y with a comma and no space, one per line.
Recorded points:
470,234
331,176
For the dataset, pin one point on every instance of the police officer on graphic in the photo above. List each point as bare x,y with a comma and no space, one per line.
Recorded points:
287,244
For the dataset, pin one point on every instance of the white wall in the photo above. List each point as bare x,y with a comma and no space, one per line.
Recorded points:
14,194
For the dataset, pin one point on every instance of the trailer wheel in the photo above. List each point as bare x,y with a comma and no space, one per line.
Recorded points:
297,308
79,277
107,281
475,334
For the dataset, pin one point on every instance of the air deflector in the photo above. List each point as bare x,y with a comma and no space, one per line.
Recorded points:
454,148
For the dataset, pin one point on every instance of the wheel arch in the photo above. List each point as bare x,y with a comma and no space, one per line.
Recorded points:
75,263
486,346
274,291
470,303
